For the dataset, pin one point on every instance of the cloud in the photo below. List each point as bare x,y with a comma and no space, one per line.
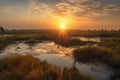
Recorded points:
76,8
112,7
3,9
63,9
38,8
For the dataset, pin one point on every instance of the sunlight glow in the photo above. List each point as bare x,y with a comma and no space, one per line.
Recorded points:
62,26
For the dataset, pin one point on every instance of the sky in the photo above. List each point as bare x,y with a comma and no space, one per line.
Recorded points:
74,14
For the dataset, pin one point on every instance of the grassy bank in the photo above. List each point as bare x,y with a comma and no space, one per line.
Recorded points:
112,43
73,42
37,37
29,68
99,54
28,38
70,32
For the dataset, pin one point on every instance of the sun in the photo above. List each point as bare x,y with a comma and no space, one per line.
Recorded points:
63,26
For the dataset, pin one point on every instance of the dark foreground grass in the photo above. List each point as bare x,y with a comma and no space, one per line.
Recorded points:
29,68
99,54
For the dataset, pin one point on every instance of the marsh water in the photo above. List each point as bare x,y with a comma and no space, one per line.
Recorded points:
59,56
95,39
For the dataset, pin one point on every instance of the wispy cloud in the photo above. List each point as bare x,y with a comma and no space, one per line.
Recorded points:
76,8
3,9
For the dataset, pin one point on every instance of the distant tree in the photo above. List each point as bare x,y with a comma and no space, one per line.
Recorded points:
2,29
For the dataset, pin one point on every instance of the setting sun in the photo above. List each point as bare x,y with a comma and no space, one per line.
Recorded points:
62,26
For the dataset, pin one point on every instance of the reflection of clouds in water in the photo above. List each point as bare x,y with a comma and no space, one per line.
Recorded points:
90,39
37,49
97,72
94,39
57,60
5,35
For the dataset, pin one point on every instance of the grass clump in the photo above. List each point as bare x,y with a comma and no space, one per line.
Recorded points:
99,54
89,54
29,68
73,42
74,74
113,43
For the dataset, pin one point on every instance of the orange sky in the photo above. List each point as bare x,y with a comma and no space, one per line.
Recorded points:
75,14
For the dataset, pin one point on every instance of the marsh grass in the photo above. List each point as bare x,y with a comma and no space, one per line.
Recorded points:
99,54
113,43
73,42
18,67
90,54
28,38
69,73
